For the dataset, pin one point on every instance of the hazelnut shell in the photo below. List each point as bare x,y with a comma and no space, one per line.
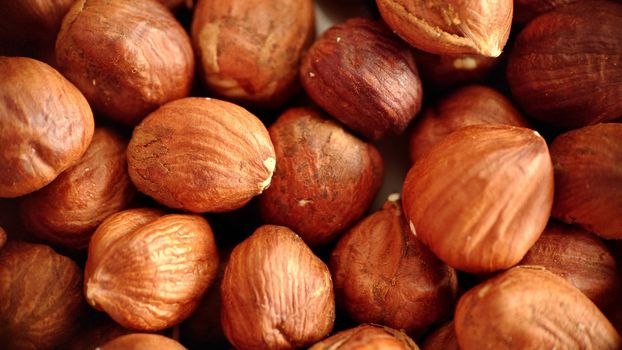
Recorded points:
367,336
141,341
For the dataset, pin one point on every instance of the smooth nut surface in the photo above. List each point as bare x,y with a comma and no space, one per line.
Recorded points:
250,50
41,294
140,341
531,308
149,271
127,57
67,211
276,294
43,131
201,155
367,336
481,197
588,178
451,27
363,75
325,178
382,274
565,68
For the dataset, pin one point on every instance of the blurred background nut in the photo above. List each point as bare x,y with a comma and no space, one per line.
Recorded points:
94,331
531,308
580,258
588,178
526,10
367,336
141,341
148,271
41,297
363,75
565,68
67,211
382,274
481,197
443,338
471,105
201,155
46,125
127,57
276,294
249,50
325,178
451,27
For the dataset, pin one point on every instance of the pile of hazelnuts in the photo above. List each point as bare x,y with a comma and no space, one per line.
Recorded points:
202,174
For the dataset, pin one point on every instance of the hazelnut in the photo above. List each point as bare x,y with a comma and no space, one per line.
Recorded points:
201,155
127,57
382,274
580,258
140,341
526,10
148,271
588,178
367,336
471,105
451,27
325,178
531,308
41,296
443,338
481,197
275,293
43,131
67,211
249,51
565,68
363,75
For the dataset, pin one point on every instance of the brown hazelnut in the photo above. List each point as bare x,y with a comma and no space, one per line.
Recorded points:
41,293
451,27
471,105
382,274
588,178
526,10
530,308
45,125
325,178
141,341
443,338
148,271
363,75
67,211
127,57
276,294
367,336
481,197
565,68
201,155
580,258
249,50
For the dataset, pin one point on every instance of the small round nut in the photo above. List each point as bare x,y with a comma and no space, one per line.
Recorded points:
43,131
367,336
141,341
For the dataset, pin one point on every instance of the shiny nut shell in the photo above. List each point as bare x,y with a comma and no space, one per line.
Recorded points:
43,131
481,197
148,271
201,155
367,336
140,341
531,308
276,294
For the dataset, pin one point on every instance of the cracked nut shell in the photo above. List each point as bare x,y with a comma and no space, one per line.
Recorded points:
147,270
367,336
276,294
201,155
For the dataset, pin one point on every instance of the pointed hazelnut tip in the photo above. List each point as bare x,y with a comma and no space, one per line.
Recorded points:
394,197
270,164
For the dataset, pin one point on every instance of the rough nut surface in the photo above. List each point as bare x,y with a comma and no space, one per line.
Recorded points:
127,57
367,336
481,197
201,155
531,308
325,177
45,125
250,50
40,297
140,341
382,274
67,211
363,75
276,294
148,271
